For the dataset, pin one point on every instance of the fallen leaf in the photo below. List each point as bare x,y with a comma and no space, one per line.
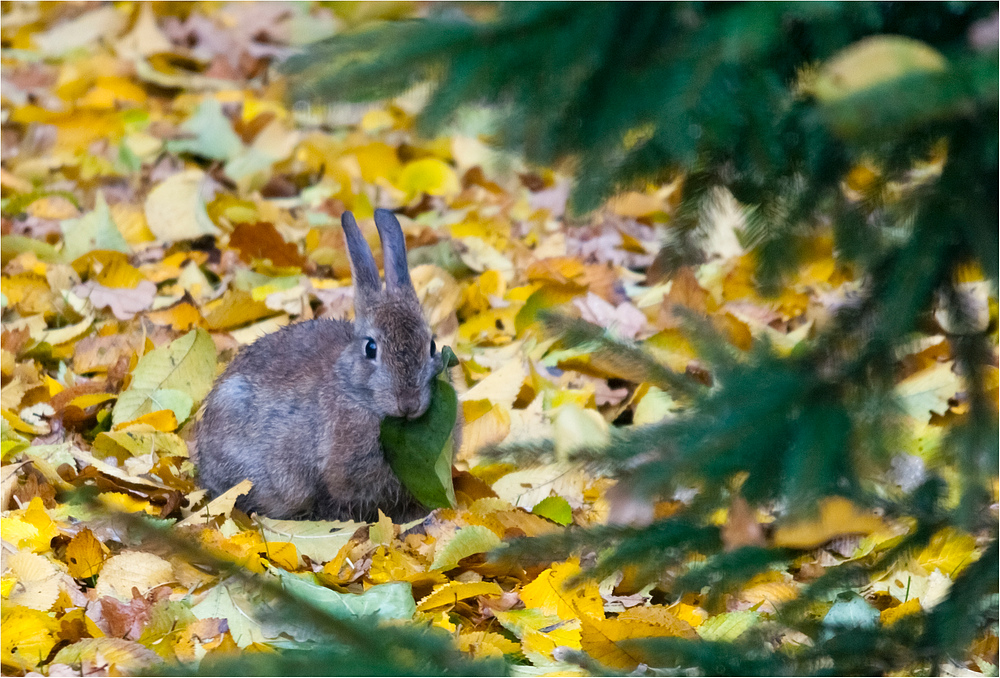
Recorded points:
143,571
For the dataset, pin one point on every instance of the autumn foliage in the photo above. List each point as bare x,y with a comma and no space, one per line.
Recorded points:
664,465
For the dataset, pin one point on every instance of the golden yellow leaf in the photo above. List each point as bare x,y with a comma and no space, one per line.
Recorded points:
548,593
540,633
377,161
692,614
635,204
91,399
233,309
28,637
283,554
892,615
769,591
36,515
427,175
119,274
22,534
160,420
486,644
950,551
182,316
603,639
85,555
837,517
29,293
394,564
119,501
454,591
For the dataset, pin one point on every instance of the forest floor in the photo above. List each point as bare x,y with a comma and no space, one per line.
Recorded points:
164,205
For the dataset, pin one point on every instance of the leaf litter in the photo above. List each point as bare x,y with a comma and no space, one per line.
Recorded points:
163,206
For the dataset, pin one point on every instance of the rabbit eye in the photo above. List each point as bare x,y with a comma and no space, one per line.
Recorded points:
370,349
434,348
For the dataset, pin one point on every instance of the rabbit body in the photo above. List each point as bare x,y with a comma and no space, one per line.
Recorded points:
299,411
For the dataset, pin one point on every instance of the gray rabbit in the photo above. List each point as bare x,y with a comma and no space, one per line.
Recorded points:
298,412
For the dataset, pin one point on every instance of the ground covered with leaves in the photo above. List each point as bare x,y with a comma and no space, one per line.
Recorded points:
164,204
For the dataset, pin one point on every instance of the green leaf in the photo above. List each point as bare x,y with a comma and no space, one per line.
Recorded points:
468,541
420,450
213,133
12,245
93,231
852,612
145,401
727,626
555,509
383,601
318,539
185,367
448,357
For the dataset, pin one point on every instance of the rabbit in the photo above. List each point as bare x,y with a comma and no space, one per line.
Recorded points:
298,411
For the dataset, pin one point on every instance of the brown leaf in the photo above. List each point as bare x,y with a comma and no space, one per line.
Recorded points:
262,241
741,528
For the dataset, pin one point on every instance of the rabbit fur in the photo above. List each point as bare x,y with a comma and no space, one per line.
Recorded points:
298,412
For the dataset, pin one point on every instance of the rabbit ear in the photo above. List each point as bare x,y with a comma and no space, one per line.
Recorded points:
397,273
363,269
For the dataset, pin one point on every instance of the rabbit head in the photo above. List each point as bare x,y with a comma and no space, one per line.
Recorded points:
392,357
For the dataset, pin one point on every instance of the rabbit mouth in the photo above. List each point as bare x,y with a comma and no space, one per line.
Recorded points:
411,408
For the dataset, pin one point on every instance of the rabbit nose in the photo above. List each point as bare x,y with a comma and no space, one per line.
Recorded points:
410,408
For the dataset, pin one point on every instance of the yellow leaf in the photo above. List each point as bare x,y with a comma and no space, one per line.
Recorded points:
175,208
119,501
692,614
28,637
283,554
91,399
769,591
949,551
601,638
874,61
234,309
485,644
487,429
892,615
468,541
36,515
636,205
85,555
22,534
396,565
837,517
161,420
540,633
727,626
221,505
382,532
123,656
119,274
548,593
428,175
182,316
377,161
454,591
